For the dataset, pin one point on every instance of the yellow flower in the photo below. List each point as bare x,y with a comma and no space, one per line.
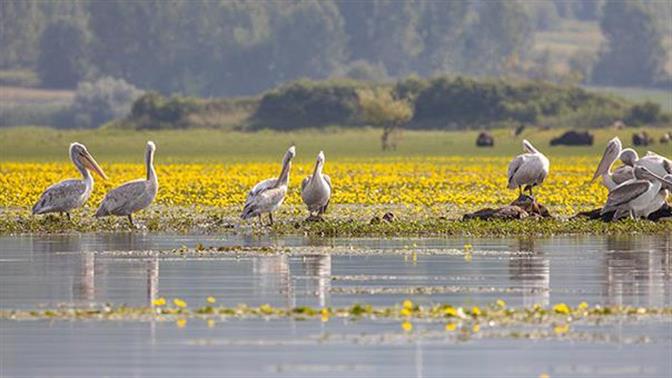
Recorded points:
211,300
159,301
562,308
583,306
450,311
475,311
476,328
501,303
405,312
450,327
407,304
179,303
181,322
266,309
324,313
561,329
407,326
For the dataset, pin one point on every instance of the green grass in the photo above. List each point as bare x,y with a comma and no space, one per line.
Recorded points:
48,145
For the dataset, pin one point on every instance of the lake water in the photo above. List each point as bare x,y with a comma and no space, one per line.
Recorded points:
48,271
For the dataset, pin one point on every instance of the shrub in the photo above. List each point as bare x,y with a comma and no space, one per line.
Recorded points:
102,100
644,114
309,104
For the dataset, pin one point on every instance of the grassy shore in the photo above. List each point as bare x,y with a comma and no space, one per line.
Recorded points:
189,146
379,182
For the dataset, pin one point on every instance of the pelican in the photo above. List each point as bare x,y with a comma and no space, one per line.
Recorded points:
70,194
655,163
634,197
267,195
621,174
134,195
316,188
528,169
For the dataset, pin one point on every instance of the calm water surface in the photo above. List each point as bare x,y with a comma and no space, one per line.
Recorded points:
37,271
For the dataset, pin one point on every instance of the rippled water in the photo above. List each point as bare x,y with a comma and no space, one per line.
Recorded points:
40,271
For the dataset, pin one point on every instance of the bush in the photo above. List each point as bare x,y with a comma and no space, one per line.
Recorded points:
646,113
102,100
310,104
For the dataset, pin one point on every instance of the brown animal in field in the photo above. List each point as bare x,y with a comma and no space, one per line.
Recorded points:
573,138
666,138
485,139
642,139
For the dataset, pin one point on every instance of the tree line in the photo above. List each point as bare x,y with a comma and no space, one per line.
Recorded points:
231,48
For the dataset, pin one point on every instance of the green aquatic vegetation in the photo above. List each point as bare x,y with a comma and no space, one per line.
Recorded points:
341,222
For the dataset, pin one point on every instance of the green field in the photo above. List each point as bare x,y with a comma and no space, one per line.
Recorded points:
45,144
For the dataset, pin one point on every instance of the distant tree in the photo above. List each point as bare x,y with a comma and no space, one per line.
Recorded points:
379,108
495,43
103,100
633,54
20,26
442,26
63,54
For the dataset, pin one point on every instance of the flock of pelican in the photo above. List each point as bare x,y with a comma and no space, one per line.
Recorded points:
122,201
636,189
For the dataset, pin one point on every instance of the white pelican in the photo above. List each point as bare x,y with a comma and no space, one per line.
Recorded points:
655,163
134,195
634,197
316,188
623,173
70,194
528,169
267,196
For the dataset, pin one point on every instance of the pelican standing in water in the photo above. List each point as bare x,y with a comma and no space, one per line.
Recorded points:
316,188
634,197
267,196
134,195
70,194
528,169
621,174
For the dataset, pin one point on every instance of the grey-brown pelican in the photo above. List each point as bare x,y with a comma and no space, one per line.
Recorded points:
528,169
267,196
134,195
635,197
70,194
316,188
621,174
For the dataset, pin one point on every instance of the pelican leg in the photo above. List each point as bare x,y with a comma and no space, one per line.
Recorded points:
270,217
520,191
130,220
68,215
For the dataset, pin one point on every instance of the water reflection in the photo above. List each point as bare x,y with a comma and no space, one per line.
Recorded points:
318,271
55,269
637,268
530,268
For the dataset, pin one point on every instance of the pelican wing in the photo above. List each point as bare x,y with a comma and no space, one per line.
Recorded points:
622,174
624,193
305,182
514,166
124,199
63,196
331,189
260,188
264,201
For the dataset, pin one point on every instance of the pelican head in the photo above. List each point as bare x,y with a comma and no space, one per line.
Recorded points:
289,155
611,153
320,157
629,157
528,147
151,146
81,157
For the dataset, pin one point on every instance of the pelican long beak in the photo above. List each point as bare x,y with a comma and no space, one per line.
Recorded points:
606,161
91,163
